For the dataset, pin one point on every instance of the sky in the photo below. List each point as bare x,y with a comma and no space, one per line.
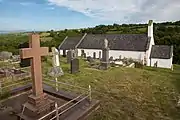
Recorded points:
62,14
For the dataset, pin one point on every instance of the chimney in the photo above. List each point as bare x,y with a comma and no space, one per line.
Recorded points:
150,28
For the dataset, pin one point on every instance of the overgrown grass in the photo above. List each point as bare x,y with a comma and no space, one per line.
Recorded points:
127,93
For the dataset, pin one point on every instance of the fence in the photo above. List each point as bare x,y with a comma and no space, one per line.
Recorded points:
54,83
83,96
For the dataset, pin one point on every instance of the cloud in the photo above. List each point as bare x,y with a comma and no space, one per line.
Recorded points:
50,8
124,10
25,3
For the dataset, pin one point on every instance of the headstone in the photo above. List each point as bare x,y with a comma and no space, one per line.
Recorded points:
82,53
120,57
74,65
55,58
111,58
99,54
105,43
145,60
24,62
69,56
155,64
64,53
76,53
105,56
38,101
5,55
90,59
94,55
56,70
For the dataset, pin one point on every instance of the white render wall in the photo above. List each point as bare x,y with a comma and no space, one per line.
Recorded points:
115,53
162,63
61,52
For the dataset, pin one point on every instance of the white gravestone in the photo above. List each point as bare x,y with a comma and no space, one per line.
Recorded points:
105,43
56,71
55,58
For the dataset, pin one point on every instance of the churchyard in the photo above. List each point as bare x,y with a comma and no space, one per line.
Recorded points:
124,93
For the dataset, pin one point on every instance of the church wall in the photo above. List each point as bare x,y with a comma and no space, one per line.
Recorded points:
127,54
61,52
89,52
162,63
114,53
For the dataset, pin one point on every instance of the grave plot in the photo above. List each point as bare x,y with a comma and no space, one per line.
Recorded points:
14,73
38,101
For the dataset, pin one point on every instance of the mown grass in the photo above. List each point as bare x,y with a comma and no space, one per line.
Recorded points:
127,93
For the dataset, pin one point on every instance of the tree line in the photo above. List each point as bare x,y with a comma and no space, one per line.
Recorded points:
167,33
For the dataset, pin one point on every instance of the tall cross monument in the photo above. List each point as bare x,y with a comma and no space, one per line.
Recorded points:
38,101
35,52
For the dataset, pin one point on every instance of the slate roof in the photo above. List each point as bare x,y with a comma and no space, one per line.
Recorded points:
126,42
70,43
161,51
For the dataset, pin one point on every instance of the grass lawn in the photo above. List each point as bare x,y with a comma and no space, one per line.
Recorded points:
128,93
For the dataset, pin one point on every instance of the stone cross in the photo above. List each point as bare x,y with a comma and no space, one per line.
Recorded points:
35,52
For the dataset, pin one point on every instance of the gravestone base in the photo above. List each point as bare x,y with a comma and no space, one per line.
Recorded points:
36,106
104,65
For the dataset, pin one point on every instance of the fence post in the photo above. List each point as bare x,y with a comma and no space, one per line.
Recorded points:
56,84
56,107
90,98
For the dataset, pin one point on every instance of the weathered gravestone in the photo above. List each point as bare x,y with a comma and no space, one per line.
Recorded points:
5,55
105,56
75,51
90,59
94,55
69,56
56,70
156,64
24,62
38,101
111,58
64,53
82,53
120,57
99,55
74,65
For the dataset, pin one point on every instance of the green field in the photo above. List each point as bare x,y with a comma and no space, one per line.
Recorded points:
127,93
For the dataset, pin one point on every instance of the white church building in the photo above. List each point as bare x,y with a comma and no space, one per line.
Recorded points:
139,47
